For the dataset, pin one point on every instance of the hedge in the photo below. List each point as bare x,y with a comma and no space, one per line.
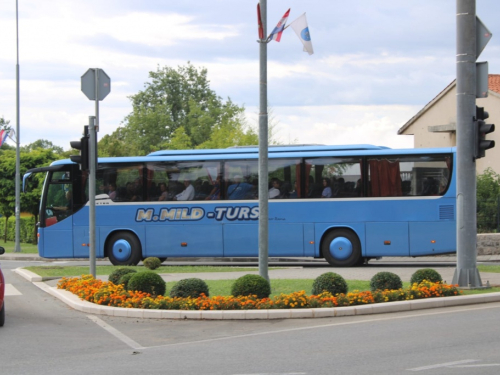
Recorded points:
26,229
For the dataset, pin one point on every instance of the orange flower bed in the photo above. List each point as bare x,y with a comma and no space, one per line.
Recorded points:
109,294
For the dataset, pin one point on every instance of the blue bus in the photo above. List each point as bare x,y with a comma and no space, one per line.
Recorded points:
346,204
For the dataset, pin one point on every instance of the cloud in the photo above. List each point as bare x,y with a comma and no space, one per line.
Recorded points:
342,124
375,63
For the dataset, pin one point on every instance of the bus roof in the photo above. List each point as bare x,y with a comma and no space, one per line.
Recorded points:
272,149
308,151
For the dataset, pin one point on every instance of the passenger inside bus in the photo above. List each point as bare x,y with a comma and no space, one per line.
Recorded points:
214,194
327,190
187,194
274,191
314,191
69,203
239,189
294,193
112,191
163,192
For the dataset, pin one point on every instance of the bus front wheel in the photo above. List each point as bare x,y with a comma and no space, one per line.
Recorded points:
341,248
124,249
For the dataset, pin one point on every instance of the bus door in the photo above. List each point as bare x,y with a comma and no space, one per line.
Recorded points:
56,216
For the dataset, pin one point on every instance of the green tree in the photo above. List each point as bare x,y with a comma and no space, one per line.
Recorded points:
7,186
488,193
116,145
176,109
43,144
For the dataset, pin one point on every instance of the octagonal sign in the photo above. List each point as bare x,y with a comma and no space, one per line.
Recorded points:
89,84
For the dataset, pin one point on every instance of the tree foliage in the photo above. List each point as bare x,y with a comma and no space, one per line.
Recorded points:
177,110
488,194
44,145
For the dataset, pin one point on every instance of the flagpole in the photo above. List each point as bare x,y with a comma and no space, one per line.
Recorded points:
17,248
263,150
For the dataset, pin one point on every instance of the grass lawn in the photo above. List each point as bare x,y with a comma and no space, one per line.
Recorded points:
26,248
72,271
220,287
488,268
278,286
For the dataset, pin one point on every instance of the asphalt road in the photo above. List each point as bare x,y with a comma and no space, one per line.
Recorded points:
44,336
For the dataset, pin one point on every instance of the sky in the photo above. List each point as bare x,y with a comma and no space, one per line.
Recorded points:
375,63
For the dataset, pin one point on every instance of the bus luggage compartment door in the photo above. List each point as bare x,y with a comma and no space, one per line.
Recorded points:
387,239
242,240
429,238
184,241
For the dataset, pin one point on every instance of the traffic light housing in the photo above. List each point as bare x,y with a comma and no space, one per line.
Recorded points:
481,128
83,146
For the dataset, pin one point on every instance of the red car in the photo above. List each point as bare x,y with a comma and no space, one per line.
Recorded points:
2,293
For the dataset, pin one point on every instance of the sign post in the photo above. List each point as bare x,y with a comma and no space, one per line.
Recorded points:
96,85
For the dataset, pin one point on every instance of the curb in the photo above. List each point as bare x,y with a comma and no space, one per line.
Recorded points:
328,312
87,307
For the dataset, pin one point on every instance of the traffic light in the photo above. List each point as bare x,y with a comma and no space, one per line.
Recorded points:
481,128
83,146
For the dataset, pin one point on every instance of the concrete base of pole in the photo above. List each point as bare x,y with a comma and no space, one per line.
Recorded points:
467,278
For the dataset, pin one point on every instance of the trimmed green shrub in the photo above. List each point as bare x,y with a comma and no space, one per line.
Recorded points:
189,288
250,285
148,282
385,280
426,274
152,263
330,282
27,230
125,279
115,276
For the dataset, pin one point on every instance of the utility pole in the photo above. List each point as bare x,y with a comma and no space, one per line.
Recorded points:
17,247
263,151
472,36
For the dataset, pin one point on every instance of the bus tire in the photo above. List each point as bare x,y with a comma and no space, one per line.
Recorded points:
341,248
124,249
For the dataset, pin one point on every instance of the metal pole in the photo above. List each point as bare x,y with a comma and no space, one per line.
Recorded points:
97,71
93,126
466,273
263,149
92,166
17,247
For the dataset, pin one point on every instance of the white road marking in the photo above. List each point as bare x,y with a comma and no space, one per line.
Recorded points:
10,290
127,340
483,365
448,311
276,373
447,364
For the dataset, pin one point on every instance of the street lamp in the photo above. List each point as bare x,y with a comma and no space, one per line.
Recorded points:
17,248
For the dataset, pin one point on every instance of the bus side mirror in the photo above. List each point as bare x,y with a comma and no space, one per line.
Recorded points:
2,250
26,177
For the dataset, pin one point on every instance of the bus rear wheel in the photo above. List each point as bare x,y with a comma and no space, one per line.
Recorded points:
341,248
124,249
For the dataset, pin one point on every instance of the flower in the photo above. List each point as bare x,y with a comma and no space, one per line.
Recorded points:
109,294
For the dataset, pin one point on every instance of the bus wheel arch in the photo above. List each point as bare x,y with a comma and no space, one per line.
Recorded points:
123,248
341,247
